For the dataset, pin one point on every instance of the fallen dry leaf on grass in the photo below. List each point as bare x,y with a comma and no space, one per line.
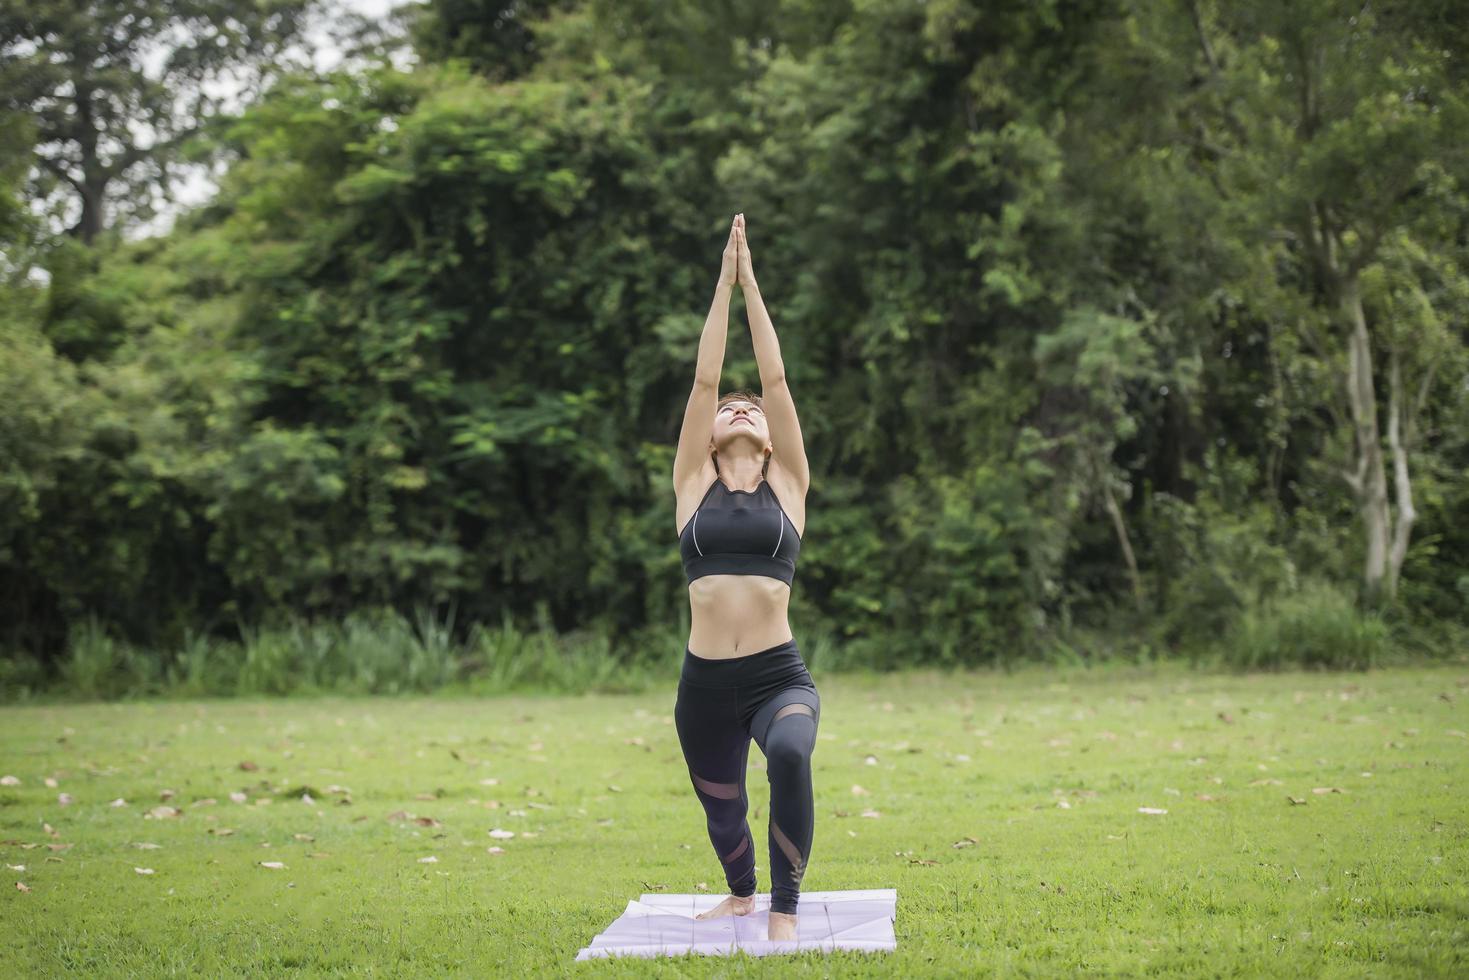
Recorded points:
1151,809
273,865
859,791
163,813
872,814
118,802
21,886
143,871
65,799
305,837
1323,790
143,845
1296,802
57,847
702,886
495,850
431,859
9,781
966,842
220,831
248,766
499,834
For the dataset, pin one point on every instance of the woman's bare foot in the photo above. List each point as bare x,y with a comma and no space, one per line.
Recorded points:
733,905
782,926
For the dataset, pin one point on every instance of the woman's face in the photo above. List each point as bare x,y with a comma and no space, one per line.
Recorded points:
740,420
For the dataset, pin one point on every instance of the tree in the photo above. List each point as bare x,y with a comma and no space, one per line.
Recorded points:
108,129
1335,129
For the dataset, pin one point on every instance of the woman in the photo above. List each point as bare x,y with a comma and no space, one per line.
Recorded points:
740,478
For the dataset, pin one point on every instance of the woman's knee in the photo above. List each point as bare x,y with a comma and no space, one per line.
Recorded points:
790,742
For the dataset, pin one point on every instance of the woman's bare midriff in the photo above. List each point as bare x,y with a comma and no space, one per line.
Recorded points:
737,615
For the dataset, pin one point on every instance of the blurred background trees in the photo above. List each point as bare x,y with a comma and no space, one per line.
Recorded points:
1114,327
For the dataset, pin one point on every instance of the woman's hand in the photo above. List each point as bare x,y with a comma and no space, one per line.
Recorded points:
729,269
746,270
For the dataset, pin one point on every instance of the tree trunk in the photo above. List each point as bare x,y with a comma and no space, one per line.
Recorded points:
1370,479
1120,527
93,185
1402,485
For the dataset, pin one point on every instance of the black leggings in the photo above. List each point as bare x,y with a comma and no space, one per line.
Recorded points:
722,704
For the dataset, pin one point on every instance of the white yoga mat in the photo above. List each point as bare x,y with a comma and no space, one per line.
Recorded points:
664,925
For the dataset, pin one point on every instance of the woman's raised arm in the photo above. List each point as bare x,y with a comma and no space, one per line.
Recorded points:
698,416
788,448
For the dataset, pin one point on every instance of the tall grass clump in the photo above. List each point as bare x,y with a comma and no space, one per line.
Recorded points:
268,663
22,676
369,652
1317,626
385,654
509,659
506,658
202,665
98,665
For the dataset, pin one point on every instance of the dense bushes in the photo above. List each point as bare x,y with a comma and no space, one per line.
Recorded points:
1070,379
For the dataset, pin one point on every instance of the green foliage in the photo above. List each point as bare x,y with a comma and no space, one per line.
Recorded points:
95,80
1317,626
1053,285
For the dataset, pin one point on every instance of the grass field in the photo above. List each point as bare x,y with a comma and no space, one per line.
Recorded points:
1316,824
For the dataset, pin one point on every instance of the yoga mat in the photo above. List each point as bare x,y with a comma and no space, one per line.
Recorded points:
664,925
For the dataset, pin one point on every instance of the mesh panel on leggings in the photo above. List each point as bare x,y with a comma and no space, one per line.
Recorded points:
720,791
793,855
744,843
795,708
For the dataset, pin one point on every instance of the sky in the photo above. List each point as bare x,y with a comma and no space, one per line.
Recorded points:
199,184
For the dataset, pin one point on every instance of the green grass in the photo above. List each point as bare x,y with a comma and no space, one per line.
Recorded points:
1371,881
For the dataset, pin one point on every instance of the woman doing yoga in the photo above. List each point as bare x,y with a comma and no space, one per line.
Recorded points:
740,478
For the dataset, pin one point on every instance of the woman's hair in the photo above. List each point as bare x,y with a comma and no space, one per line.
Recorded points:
739,395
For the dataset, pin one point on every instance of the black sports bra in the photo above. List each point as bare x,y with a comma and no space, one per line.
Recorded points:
742,532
